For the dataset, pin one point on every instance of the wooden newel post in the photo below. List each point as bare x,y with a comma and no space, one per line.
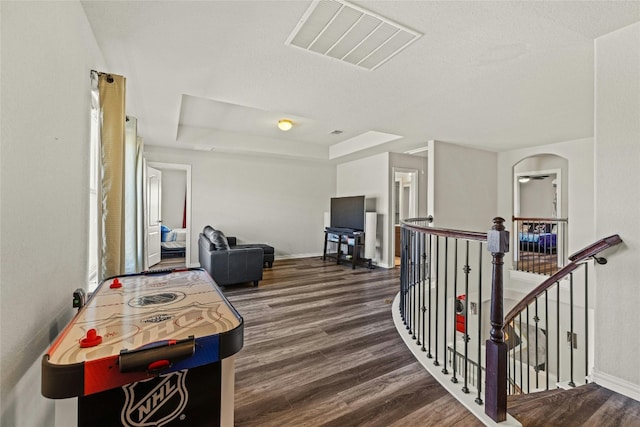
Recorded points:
496,377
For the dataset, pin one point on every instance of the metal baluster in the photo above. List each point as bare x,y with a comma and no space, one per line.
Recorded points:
420,281
444,306
402,282
586,323
405,276
411,250
571,383
536,319
478,398
520,328
528,351
454,379
414,260
435,362
429,294
558,333
546,337
536,268
515,373
467,270
424,259
415,250
509,379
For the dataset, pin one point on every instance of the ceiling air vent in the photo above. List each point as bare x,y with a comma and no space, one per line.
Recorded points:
349,33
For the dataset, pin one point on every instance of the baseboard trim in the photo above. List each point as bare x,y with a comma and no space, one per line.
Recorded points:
295,256
310,255
616,384
319,254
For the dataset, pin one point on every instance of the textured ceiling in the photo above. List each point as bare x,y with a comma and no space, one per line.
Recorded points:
493,75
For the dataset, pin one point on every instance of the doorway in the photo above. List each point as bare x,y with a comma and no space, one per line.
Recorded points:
153,223
175,210
405,203
540,214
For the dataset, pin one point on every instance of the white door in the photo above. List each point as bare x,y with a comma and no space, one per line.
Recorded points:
154,217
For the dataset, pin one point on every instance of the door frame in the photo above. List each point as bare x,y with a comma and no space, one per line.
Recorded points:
415,195
516,208
187,169
154,229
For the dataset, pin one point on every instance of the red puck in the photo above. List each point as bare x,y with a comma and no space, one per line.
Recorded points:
91,340
115,284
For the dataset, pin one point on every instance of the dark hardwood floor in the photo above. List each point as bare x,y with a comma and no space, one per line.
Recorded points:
321,349
169,263
587,405
536,262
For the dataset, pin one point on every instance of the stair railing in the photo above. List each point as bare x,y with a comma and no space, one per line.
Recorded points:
539,244
547,332
443,275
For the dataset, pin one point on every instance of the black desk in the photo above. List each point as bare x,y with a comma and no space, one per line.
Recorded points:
352,239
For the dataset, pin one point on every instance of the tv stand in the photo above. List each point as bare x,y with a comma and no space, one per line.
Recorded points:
352,240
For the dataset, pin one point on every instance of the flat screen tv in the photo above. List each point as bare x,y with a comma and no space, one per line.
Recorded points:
348,212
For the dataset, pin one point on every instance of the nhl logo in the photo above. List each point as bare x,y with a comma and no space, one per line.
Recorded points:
155,402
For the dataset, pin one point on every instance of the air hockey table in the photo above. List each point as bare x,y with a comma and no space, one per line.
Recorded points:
151,349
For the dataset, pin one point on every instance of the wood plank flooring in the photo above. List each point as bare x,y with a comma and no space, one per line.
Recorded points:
321,350
536,262
587,405
169,263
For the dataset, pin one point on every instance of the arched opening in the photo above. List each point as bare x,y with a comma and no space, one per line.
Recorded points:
540,213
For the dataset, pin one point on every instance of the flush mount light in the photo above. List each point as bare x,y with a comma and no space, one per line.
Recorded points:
285,124
524,179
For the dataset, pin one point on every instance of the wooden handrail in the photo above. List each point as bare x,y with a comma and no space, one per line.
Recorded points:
576,258
445,232
595,248
519,218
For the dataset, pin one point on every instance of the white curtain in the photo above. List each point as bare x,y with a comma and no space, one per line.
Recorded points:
119,226
133,198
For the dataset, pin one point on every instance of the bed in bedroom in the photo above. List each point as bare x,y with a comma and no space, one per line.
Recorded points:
173,242
538,237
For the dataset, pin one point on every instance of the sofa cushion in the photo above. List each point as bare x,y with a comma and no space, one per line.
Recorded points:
220,241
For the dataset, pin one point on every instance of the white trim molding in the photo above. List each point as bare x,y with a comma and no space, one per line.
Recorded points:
186,168
616,384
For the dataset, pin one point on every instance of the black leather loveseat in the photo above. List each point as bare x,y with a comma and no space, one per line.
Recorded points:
226,264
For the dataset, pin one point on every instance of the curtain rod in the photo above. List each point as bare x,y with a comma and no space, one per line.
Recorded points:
100,73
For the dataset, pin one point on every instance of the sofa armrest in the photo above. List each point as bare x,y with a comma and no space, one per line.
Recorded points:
236,265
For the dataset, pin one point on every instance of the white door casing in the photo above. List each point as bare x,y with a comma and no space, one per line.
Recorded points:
154,216
187,170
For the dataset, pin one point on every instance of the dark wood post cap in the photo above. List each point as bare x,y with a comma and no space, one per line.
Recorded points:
498,237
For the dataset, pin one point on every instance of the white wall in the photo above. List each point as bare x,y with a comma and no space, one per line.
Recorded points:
47,53
256,199
617,160
536,198
174,190
464,187
370,177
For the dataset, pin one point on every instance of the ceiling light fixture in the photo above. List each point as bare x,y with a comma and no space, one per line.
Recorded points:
285,124
524,179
